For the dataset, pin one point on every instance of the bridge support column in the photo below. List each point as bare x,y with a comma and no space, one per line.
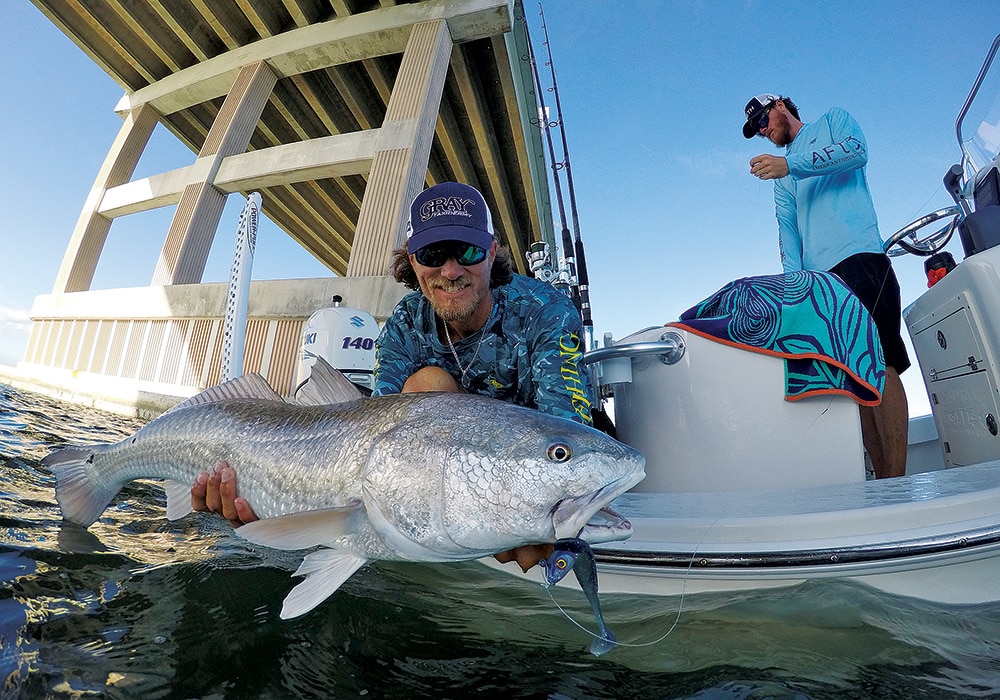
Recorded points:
399,166
87,242
189,239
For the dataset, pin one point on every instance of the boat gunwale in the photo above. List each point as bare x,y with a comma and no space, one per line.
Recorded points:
965,541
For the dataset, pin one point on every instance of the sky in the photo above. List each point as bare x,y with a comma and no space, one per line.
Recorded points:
652,94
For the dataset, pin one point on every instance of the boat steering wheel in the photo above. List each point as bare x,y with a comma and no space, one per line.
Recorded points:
908,242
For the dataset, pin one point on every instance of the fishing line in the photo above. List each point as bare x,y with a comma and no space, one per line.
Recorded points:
924,206
680,603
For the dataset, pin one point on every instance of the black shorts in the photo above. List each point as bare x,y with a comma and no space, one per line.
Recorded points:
870,277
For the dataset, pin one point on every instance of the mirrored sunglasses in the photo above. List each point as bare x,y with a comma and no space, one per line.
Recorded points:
437,254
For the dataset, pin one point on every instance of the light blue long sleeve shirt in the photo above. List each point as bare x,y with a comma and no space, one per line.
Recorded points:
824,209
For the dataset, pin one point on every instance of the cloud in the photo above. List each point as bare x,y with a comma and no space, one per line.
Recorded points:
14,317
15,326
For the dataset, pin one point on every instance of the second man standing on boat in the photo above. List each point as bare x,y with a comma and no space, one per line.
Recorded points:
826,221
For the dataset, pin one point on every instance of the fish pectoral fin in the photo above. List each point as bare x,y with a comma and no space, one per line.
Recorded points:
305,529
178,499
325,571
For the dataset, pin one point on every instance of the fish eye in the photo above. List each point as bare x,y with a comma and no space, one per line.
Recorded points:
559,452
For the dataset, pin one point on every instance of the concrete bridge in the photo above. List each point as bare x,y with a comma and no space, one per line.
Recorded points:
337,111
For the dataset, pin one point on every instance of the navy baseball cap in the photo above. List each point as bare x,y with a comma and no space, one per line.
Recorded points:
755,107
449,211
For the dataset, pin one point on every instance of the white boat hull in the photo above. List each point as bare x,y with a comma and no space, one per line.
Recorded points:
943,578
934,536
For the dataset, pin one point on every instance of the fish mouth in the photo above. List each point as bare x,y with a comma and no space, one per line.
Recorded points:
571,516
606,525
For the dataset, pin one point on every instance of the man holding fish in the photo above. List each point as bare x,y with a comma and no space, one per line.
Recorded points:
471,326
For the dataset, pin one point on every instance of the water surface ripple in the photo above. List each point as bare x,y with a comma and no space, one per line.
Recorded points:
138,607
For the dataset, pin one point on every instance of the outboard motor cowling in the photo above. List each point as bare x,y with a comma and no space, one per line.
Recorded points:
345,338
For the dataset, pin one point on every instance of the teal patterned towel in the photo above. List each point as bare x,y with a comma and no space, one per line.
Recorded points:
811,319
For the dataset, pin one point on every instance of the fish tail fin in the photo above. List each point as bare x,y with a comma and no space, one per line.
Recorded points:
603,643
80,498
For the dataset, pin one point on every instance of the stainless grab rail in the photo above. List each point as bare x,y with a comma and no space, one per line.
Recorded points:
670,349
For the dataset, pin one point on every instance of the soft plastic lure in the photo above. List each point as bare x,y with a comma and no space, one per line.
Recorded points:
574,553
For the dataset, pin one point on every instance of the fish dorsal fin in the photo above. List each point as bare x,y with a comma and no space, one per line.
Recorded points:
325,386
304,529
325,570
249,386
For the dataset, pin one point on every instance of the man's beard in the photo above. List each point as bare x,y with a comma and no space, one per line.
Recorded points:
450,315
780,137
454,313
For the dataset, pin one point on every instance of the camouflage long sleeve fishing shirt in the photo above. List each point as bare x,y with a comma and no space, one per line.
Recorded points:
529,354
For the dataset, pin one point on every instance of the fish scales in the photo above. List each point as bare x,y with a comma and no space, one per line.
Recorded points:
289,458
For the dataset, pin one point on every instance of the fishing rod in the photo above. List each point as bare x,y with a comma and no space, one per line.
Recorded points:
580,260
567,275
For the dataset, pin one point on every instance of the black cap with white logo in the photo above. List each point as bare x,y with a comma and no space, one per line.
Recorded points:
754,109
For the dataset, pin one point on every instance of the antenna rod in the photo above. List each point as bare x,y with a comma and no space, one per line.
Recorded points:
238,296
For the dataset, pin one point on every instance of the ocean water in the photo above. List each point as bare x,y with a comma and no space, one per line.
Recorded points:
138,607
